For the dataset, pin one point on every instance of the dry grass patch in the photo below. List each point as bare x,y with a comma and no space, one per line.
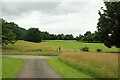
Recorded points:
21,45
99,65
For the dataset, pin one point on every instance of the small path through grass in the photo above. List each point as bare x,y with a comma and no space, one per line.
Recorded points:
35,67
38,67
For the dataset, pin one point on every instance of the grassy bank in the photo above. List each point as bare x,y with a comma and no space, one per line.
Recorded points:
21,45
64,70
103,65
53,45
72,45
11,67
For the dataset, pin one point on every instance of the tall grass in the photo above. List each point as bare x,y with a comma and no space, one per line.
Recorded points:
98,65
28,46
65,71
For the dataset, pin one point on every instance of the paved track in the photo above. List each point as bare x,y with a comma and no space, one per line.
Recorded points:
35,67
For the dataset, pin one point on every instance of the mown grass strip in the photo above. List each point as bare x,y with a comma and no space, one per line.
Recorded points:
64,70
11,67
31,53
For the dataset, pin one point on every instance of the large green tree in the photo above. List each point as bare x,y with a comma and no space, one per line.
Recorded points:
20,32
88,36
68,37
109,24
45,35
33,35
79,38
8,36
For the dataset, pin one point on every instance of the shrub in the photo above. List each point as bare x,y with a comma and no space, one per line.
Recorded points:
85,49
98,50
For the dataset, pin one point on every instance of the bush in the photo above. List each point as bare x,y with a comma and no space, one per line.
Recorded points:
98,50
85,49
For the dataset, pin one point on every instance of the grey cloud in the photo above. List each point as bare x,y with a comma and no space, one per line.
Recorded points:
53,8
65,8
17,8
55,17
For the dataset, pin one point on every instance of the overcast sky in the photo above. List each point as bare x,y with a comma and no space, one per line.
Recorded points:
55,17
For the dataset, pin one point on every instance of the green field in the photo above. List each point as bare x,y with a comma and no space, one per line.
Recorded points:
73,45
90,63
53,45
64,70
11,67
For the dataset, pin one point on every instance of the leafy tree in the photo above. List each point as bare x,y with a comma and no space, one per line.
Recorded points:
88,36
68,37
33,35
87,33
109,24
60,37
53,37
45,35
20,32
96,37
8,36
79,38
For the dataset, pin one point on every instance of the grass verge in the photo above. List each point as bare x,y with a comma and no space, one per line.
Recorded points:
11,67
98,65
31,53
64,70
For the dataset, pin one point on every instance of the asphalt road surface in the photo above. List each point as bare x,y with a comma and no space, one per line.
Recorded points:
35,67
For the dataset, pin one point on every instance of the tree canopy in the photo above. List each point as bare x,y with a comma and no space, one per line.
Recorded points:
109,24
8,36
33,35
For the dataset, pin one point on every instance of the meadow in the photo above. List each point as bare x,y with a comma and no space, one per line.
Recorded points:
85,64
73,45
30,48
97,65
53,45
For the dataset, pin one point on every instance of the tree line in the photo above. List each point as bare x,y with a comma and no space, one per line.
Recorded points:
108,30
13,31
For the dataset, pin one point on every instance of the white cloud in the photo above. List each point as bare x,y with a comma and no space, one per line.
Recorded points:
55,0
65,17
